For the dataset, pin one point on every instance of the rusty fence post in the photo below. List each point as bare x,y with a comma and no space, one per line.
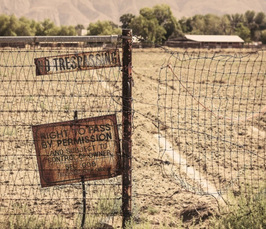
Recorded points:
127,125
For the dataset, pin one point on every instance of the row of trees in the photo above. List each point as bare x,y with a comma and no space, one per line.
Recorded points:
154,25
158,24
249,26
13,26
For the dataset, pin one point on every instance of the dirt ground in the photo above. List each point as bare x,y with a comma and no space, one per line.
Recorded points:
212,124
186,99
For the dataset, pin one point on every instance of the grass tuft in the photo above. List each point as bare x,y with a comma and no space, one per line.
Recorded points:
246,210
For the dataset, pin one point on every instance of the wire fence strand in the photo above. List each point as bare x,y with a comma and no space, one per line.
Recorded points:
199,125
211,120
27,100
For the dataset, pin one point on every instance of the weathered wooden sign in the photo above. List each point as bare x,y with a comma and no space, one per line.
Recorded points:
70,151
77,62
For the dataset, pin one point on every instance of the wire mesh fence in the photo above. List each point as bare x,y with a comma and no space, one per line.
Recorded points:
28,99
211,118
205,111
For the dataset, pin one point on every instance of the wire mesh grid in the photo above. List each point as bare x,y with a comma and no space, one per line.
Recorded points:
211,120
27,100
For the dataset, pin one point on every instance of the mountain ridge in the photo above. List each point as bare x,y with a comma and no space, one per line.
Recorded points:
73,12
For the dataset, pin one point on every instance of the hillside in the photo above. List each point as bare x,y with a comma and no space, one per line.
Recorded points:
72,12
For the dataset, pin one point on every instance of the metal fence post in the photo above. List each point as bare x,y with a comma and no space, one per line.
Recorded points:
127,125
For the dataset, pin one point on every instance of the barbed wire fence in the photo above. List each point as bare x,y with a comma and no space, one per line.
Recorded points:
28,100
212,119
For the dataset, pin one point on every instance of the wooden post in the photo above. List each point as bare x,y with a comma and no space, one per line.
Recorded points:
127,125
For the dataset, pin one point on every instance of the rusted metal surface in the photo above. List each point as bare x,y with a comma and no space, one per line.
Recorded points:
68,152
127,126
77,62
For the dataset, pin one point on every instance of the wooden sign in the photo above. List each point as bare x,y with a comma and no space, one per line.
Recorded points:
77,62
70,151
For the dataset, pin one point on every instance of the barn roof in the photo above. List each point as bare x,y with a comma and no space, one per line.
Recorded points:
214,38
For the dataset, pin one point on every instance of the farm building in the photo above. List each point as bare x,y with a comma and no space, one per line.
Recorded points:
206,41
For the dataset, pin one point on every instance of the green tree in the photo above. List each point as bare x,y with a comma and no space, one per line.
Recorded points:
165,18
243,32
198,25
8,25
78,28
33,26
103,28
126,19
147,13
46,28
155,24
250,16
185,24
4,19
12,26
225,25
212,24
66,31
260,18
235,20
148,29
25,27
250,23
263,36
